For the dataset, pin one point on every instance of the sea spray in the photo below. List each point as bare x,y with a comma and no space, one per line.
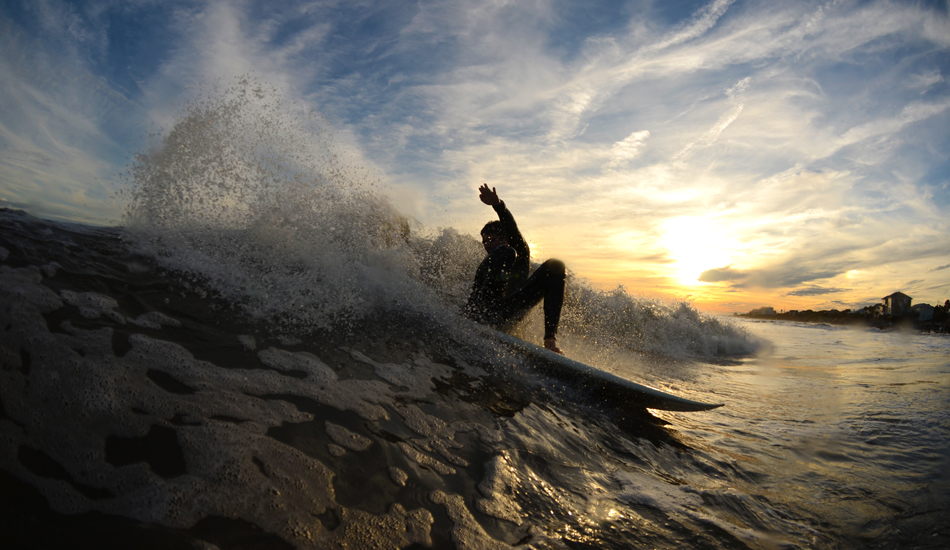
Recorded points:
253,200
616,319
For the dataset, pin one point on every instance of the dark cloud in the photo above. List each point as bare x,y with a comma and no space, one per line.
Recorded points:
785,275
816,291
657,258
790,277
721,274
939,268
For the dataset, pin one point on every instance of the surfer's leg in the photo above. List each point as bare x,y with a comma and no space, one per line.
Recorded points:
553,297
546,283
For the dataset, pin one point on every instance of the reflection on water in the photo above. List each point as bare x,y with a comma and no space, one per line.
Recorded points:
846,426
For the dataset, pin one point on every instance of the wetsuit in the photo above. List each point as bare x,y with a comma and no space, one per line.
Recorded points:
503,293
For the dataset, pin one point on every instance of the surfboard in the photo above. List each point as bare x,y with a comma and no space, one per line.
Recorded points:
596,381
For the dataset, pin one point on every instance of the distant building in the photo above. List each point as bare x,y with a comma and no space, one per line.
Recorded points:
897,304
922,312
767,310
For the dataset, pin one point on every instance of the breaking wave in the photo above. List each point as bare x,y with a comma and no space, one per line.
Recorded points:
253,200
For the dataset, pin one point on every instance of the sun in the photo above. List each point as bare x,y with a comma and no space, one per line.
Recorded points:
695,244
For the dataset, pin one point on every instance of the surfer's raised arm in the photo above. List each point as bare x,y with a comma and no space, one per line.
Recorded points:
502,293
504,231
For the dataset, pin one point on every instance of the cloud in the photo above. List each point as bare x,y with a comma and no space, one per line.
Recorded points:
722,274
939,268
910,114
627,149
817,291
703,20
925,81
777,276
711,135
61,131
79,32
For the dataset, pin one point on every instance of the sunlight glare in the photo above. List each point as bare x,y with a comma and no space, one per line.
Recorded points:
696,245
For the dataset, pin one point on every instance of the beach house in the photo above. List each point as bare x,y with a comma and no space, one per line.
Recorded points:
922,312
897,304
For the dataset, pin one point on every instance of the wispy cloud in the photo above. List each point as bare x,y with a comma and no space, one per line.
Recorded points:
702,21
924,81
56,157
910,114
626,150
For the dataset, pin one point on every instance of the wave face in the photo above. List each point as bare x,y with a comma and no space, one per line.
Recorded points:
269,348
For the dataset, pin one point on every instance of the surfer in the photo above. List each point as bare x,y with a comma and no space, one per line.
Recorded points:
503,293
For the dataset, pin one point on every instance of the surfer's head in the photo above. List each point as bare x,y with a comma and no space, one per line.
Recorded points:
493,236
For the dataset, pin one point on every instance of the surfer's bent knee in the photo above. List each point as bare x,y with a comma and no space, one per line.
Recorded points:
556,267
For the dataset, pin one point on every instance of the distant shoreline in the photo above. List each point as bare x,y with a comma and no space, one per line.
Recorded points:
829,317
843,318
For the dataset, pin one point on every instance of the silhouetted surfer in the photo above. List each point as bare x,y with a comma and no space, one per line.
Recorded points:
503,293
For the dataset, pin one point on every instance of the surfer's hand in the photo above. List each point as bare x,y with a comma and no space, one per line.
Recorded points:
488,196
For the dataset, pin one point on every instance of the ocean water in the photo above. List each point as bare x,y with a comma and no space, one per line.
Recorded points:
266,354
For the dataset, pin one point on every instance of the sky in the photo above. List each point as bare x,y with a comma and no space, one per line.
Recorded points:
731,154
